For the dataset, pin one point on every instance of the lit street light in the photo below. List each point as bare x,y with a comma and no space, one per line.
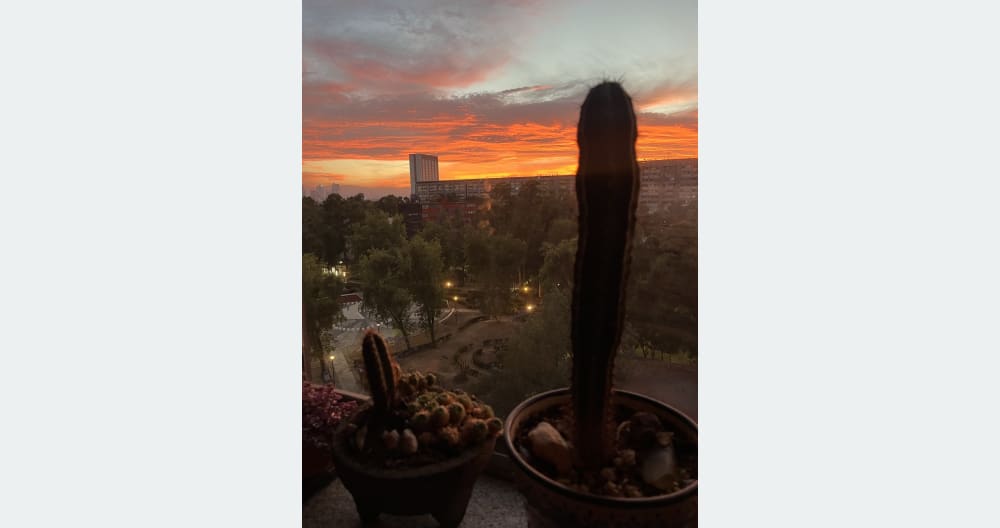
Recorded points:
530,307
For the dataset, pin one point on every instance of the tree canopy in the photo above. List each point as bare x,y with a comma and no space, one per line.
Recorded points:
320,301
384,275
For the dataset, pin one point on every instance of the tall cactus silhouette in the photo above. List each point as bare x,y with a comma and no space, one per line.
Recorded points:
607,187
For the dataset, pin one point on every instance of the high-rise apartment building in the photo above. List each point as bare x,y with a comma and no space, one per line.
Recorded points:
423,168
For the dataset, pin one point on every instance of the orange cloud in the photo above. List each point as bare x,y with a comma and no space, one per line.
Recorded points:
367,141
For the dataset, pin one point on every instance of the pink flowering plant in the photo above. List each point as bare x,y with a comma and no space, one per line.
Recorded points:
322,410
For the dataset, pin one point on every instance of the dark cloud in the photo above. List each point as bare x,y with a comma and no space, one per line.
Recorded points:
417,46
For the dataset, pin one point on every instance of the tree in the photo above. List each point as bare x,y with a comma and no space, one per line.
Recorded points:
312,227
320,302
389,204
537,357
478,257
557,267
561,229
384,275
426,280
377,231
340,216
494,262
534,216
663,294
451,234
332,231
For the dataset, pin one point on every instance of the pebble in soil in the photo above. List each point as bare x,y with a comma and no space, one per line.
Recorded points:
649,460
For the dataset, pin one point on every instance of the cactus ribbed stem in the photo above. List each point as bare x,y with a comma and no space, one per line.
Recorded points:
380,371
607,187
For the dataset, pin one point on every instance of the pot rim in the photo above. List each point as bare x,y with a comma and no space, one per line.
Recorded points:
554,485
344,456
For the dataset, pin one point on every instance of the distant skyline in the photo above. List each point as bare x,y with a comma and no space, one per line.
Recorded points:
492,88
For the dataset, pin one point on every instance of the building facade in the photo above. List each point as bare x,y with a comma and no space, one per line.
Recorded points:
423,168
480,188
667,184
667,187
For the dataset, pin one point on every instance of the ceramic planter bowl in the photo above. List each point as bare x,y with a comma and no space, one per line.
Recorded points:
549,504
442,489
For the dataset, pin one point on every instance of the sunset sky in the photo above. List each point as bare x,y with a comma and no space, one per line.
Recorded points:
492,88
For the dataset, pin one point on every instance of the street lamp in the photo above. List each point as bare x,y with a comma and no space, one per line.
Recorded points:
447,284
530,307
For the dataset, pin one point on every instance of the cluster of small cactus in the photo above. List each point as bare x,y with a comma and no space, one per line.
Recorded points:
414,383
422,414
451,419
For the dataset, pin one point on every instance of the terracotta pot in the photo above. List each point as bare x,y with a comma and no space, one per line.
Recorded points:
550,504
442,489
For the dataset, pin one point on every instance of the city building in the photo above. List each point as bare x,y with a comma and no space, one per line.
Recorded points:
668,188
321,192
438,210
480,188
423,168
667,185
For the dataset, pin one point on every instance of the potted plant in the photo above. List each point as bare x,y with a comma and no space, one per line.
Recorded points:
322,411
591,455
416,448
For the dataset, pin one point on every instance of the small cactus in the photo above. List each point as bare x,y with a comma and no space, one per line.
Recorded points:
408,442
466,401
456,413
421,421
440,417
474,431
482,411
382,372
449,436
444,398
494,425
390,439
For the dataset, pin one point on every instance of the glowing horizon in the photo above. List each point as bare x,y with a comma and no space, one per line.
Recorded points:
380,83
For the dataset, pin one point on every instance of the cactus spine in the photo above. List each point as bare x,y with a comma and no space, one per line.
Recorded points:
607,187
